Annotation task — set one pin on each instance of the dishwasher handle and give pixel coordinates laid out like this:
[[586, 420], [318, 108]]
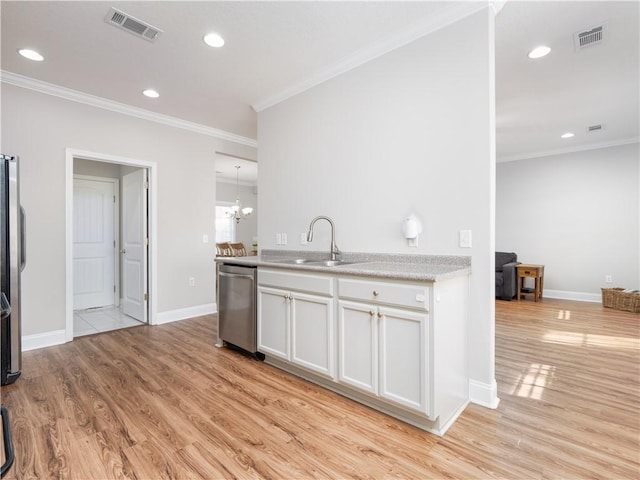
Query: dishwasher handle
[[235, 275]]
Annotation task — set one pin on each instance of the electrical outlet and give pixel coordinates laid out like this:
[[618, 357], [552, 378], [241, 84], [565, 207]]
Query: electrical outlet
[[192, 281], [608, 279], [278, 239], [205, 238], [303, 238], [284, 238]]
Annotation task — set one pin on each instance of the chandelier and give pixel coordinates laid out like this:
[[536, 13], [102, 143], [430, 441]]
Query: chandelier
[[237, 211]]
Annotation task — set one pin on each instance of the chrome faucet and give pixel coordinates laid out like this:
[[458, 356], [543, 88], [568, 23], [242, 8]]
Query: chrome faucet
[[334, 248]]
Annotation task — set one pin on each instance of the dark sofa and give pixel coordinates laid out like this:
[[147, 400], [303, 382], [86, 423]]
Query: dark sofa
[[506, 275]]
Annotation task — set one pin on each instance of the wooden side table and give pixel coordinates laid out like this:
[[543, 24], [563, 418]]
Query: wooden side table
[[531, 271]]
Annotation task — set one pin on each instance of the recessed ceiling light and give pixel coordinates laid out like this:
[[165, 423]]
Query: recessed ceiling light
[[31, 54], [213, 40], [150, 93], [538, 52], [567, 135]]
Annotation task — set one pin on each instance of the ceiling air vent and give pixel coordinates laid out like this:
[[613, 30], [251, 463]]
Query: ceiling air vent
[[132, 25], [588, 37], [595, 128]]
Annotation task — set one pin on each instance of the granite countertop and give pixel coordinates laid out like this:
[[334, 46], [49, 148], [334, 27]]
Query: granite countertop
[[430, 268]]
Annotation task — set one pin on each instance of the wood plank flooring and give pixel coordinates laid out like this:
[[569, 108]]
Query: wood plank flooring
[[162, 402]]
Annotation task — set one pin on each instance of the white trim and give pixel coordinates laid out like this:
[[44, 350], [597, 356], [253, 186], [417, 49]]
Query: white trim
[[562, 151], [42, 340], [484, 394], [577, 296], [419, 29], [186, 313], [152, 167], [99, 102]]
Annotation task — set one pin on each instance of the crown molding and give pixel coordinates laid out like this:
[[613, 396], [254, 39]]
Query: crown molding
[[391, 42], [562, 151], [18, 80]]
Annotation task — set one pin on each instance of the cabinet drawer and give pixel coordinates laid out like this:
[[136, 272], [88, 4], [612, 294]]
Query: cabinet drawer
[[403, 295], [319, 284], [528, 272]]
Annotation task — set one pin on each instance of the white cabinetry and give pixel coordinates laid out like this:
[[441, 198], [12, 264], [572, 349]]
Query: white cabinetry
[[296, 323], [395, 345], [382, 349], [273, 322]]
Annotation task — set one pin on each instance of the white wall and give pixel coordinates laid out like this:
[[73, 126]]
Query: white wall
[[578, 214], [411, 131], [39, 128], [248, 226]]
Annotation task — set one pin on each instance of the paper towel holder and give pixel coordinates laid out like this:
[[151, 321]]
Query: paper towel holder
[[411, 229]]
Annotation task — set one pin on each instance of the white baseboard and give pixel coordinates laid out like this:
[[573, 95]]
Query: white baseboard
[[484, 394], [184, 313], [41, 340], [578, 296]]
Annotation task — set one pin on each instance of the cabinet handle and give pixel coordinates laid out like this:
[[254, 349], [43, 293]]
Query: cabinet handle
[[376, 293]]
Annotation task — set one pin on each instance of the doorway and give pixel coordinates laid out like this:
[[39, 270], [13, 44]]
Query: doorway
[[111, 238], [236, 183]]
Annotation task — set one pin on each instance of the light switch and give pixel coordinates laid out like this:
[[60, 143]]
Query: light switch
[[284, 238], [465, 238], [278, 239], [205, 238]]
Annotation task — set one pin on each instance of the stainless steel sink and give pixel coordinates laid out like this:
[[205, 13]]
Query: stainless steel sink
[[312, 262], [331, 263], [297, 261]]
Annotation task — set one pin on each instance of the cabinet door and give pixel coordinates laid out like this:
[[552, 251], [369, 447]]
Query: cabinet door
[[312, 333], [273, 322], [358, 346], [403, 362]]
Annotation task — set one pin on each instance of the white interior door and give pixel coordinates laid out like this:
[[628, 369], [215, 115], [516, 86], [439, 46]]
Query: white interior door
[[93, 243], [134, 245]]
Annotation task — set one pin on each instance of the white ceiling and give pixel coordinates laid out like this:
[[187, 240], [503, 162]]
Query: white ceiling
[[274, 48], [568, 90], [226, 170]]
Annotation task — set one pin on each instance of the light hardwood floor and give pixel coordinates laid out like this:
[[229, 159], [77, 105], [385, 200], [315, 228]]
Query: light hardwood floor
[[162, 402]]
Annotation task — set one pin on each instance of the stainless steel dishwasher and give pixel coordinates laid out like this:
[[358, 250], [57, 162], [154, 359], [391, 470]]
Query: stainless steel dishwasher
[[237, 316]]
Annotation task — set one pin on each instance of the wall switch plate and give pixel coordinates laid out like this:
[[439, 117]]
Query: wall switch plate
[[608, 279], [284, 238], [465, 238], [278, 239], [303, 238], [192, 281], [205, 238]]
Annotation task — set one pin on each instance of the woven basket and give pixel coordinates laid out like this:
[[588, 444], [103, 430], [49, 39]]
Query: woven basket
[[618, 299]]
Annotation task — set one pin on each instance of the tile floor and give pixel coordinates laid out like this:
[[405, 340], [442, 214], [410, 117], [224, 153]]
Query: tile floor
[[96, 320]]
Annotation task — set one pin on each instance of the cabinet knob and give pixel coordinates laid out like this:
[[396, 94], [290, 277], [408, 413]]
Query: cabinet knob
[[290, 297], [380, 315], [372, 313], [286, 297], [376, 293]]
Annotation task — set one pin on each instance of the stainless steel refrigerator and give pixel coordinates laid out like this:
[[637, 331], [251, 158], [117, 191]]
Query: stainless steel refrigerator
[[12, 239]]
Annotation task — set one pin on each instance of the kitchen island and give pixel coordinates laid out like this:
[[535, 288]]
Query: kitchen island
[[389, 331]]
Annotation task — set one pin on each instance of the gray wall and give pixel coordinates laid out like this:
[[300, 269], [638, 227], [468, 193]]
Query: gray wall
[[248, 227], [41, 127], [576, 213], [411, 131]]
